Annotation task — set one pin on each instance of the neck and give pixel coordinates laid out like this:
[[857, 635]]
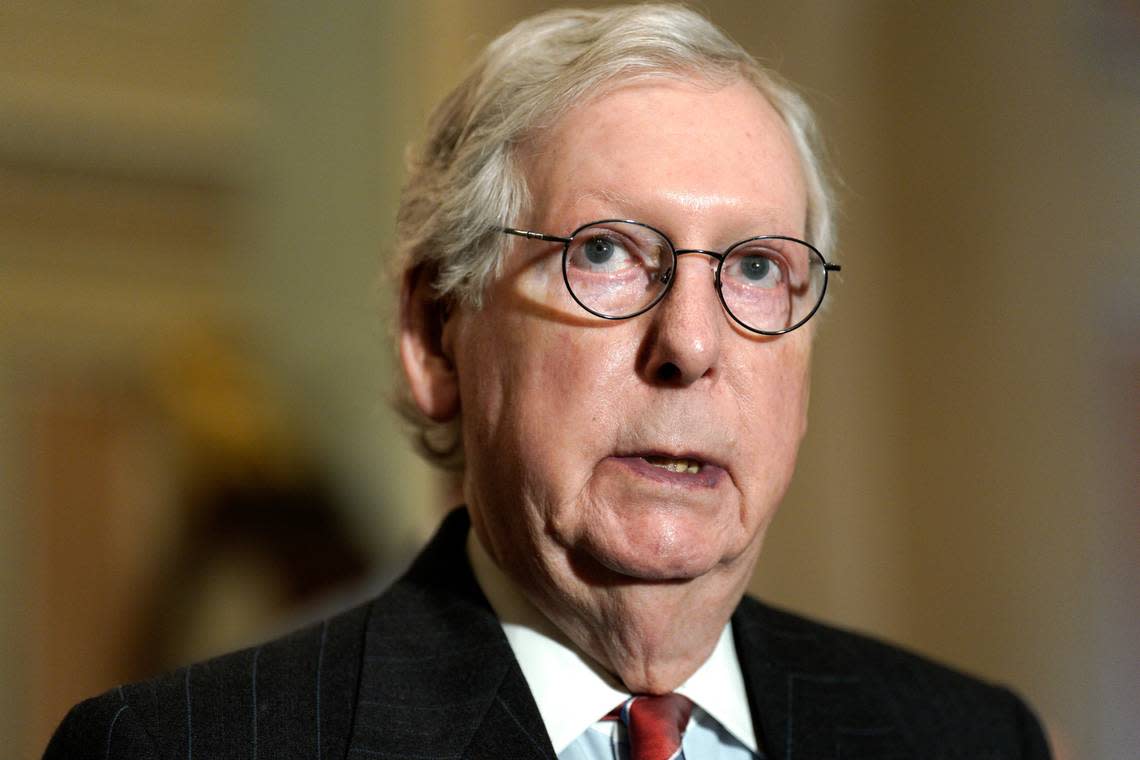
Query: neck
[[650, 636]]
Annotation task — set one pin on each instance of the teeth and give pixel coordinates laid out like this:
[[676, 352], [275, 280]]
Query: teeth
[[675, 465]]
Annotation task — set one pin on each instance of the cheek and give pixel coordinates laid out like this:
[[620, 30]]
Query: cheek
[[565, 402], [536, 407], [541, 283], [794, 372], [773, 416], [535, 391]]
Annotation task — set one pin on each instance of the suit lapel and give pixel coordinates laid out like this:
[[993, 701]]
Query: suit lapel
[[512, 727], [806, 701], [439, 679]]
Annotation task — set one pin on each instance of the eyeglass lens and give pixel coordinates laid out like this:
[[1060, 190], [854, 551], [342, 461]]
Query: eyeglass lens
[[619, 269]]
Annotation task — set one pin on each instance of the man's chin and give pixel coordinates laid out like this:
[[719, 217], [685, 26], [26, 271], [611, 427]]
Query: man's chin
[[608, 566]]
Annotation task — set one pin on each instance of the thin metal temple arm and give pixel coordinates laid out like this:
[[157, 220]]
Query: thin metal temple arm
[[535, 235]]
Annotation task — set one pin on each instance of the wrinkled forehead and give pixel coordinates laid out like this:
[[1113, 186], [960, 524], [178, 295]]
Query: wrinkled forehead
[[660, 146]]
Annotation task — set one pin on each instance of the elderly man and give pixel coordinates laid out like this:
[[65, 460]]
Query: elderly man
[[612, 246]]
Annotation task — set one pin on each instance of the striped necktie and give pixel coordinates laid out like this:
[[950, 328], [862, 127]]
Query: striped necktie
[[654, 725]]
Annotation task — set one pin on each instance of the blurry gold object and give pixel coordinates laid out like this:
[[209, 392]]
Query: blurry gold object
[[225, 405]]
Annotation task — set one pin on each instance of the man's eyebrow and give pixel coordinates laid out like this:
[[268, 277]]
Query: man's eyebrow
[[761, 222], [610, 197]]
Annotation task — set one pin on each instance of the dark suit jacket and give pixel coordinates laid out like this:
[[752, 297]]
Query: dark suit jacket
[[424, 671]]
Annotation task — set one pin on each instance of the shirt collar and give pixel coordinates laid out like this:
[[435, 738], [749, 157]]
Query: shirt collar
[[572, 691]]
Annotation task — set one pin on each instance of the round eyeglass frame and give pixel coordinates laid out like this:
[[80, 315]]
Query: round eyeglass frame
[[668, 276]]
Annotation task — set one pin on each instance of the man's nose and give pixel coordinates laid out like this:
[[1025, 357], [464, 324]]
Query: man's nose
[[683, 343]]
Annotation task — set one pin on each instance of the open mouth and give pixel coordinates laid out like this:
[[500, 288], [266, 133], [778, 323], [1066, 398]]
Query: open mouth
[[690, 466], [673, 470]]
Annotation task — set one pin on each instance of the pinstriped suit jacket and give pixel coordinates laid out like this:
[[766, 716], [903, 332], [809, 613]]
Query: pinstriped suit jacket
[[424, 671]]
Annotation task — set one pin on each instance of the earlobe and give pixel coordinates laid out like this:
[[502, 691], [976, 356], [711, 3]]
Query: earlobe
[[428, 367]]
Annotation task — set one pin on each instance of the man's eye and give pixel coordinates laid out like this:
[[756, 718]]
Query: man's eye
[[599, 250], [601, 254], [755, 270]]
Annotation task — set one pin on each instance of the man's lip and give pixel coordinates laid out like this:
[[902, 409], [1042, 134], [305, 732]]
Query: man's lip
[[709, 475], [705, 460]]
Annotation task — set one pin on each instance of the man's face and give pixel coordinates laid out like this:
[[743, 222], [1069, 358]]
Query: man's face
[[571, 422]]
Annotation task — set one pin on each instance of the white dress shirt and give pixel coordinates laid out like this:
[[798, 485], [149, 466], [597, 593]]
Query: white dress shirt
[[573, 692]]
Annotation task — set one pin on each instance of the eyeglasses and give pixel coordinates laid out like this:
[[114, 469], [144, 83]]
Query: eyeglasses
[[617, 269]]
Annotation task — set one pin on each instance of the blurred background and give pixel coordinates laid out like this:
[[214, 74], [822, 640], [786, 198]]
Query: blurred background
[[196, 447]]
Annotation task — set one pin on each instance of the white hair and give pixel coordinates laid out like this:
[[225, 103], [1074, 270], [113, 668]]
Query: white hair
[[465, 184]]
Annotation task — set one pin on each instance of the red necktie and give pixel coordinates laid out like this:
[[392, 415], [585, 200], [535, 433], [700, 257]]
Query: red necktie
[[655, 725]]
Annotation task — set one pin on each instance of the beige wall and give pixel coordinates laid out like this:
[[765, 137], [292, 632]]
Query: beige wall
[[968, 485]]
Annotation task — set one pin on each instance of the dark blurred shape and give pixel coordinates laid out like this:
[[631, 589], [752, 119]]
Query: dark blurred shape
[[288, 535], [263, 535]]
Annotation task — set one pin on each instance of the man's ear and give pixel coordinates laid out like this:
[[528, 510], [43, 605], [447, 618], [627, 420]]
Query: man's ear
[[428, 367]]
